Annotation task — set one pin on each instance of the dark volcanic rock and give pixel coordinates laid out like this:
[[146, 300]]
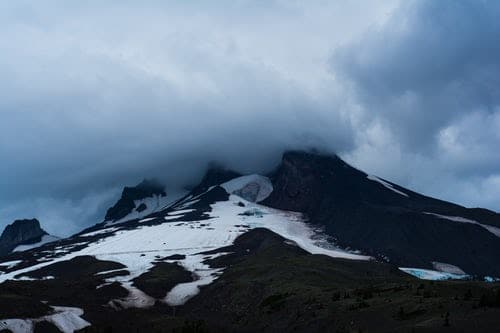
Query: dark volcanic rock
[[126, 204], [76, 268], [20, 232], [366, 215], [18, 306]]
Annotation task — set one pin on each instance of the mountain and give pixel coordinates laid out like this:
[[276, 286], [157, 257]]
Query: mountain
[[22, 235], [317, 245], [385, 220]]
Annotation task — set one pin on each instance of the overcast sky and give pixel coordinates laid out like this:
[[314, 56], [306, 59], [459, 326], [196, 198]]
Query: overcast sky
[[95, 95]]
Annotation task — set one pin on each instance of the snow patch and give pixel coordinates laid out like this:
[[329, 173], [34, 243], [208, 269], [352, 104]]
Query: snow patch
[[110, 271], [10, 264], [491, 279], [66, 319], [427, 274], [147, 220], [135, 299], [45, 239], [17, 325], [254, 188], [153, 204], [27, 278], [494, 230], [173, 217], [98, 232], [205, 275], [447, 268], [187, 204], [182, 211], [386, 184]]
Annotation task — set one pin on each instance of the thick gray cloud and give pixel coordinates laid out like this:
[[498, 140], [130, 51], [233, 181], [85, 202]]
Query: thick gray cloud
[[428, 83], [97, 95], [431, 63]]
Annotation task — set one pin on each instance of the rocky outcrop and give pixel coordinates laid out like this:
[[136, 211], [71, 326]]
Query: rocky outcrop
[[127, 203], [20, 232]]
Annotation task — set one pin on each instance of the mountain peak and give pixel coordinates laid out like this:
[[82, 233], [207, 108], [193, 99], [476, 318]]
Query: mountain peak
[[22, 230], [313, 158], [19, 232]]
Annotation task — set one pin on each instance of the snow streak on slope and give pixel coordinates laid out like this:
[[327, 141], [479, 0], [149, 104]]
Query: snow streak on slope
[[10, 264], [427, 274], [45, 240], [385, 184], [492, 229]]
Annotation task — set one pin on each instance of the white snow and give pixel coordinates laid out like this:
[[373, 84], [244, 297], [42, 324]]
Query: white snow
[[110, 271], [66, 319], [173, 217], [10, 264], [27, 278], [135, 299], [427, 274], [45, 239], [494, 230], [491, 279], [154, 204], [187, 204], [447, 268], [147, 220], [386, 184], [98, 232], [204, 276], [181, 211], [256, 186], [17, 325], [138, 249]]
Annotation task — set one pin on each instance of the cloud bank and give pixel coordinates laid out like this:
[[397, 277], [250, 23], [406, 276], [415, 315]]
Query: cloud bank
[[95, 96], [428, 81]]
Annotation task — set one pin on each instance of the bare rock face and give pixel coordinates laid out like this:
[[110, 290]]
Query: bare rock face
[[146, 189], [20, 232]]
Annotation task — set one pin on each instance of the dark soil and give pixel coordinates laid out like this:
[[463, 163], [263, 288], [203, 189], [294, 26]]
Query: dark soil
[[162, 278]]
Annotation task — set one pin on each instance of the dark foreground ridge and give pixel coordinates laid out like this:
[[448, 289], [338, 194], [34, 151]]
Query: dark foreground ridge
[[269, 285]]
